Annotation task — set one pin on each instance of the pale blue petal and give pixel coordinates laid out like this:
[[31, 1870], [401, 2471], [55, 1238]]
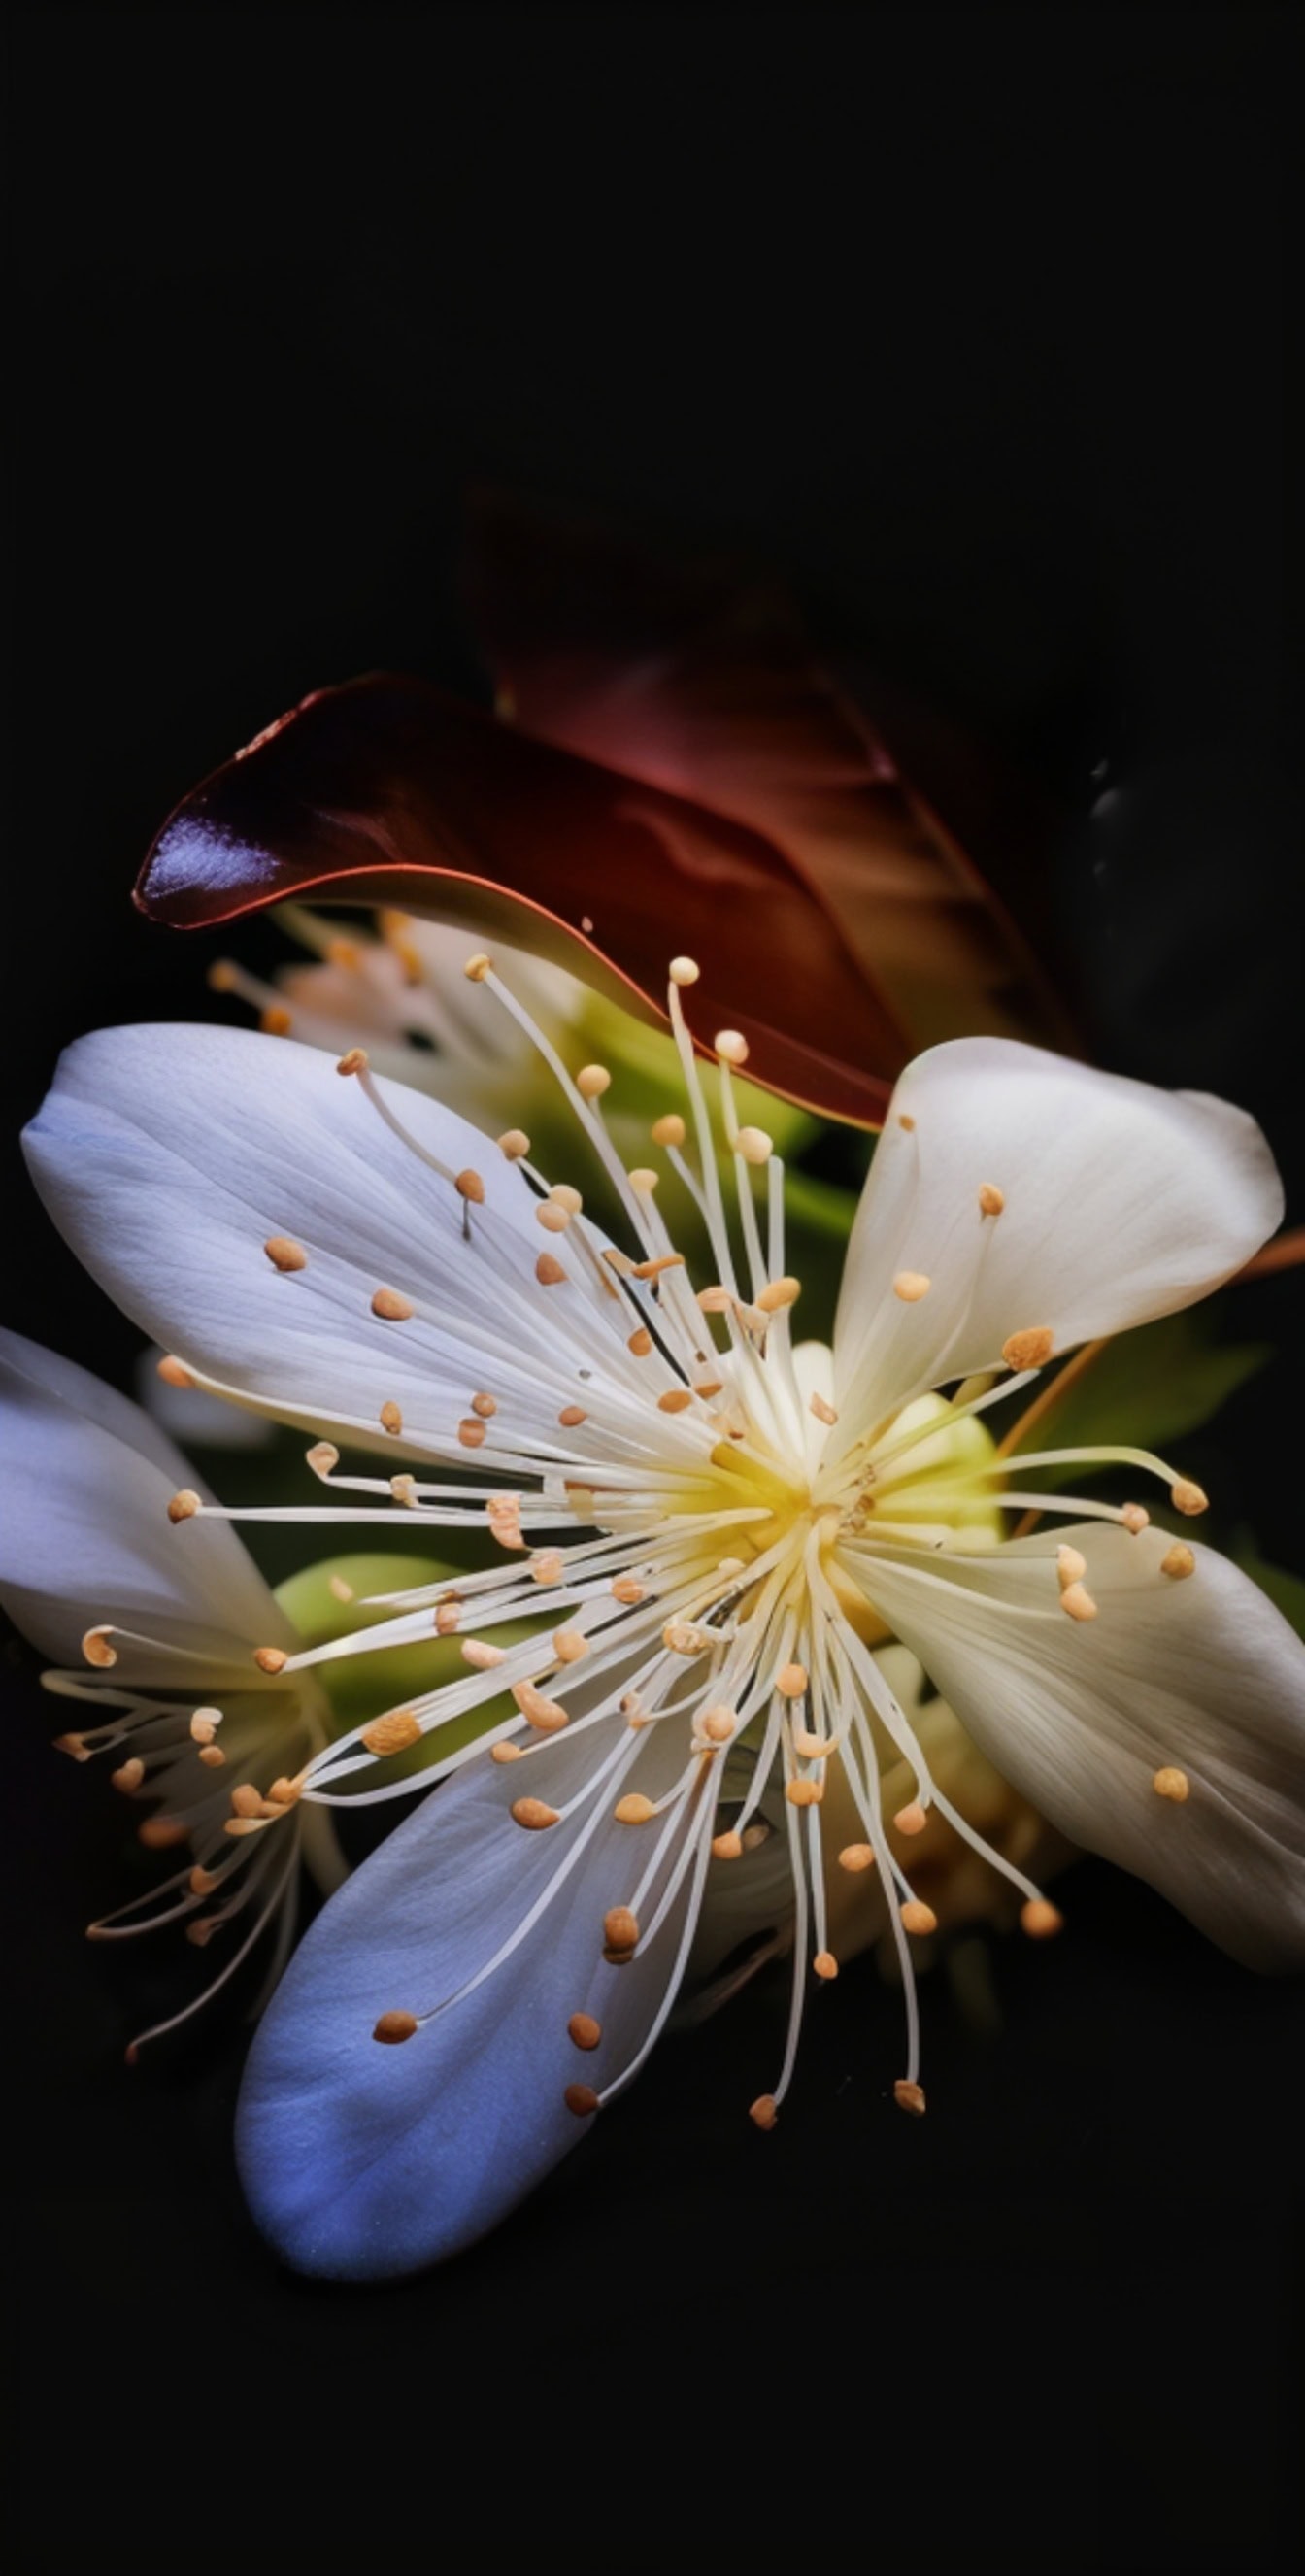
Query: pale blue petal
[[85, 1481], [362, 2160]]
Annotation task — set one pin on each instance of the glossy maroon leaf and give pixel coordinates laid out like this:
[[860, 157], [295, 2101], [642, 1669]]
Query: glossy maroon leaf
[[391, 791], [702, 681]]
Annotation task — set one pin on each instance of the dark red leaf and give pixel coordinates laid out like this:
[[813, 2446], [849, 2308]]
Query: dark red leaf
[[701, 680], [390, 791]]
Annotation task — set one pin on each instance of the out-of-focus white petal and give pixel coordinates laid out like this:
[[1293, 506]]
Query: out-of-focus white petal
[[85, 1481], [362, 2160], [1120, 1203], [1195, 1674]]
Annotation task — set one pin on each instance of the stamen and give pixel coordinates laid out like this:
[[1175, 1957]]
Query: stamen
[[1029, 1349], [392, 1306], [1078, 1601], [284, 1253], [184, 1505], [1040, 1919], [1188, 1498], [394, 2027], [620, 1929], [1178, 1562], [583, 2030], [534, 1814], [1169, 1782], [908, 2096], [991, 1199], [911, 1286], [392, 1734]]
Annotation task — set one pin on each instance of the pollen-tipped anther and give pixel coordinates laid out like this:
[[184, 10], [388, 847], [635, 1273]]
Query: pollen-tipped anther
[[355, 1060], [392, 1306], [284, 1253], [394, 2027], [184, 1505], [779, 1293], [1188, 1498], [478, 967], [583, 2031], [592, 1081], [534, 1813], [917, 1916], [514, 1144], [97, 1650], [620, 1929], [911, 1286], [1077, 1602], [271, 1659], [393, 1733], [1040, 1919], [1171, 1783], [909, 2097], [1178, 1561], [764, 2112], [684, 970], [731, 1046], [991, 1199], [1029, 1349]]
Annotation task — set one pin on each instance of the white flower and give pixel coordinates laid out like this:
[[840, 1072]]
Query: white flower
[[155, 1644], [714, 1528]]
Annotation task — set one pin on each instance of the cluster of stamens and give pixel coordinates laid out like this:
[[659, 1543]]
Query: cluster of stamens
[[712, 1632]]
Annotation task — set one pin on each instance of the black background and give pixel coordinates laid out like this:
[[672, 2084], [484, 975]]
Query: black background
[[976, 325]]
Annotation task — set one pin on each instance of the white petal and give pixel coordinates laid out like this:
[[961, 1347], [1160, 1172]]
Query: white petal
[[85, 1481], [1198, 1674], [1121, 1203], [363, 2160], [170, 1157]]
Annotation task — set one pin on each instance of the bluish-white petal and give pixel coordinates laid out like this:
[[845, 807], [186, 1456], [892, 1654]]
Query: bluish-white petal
[[1120, 1202], [170, 1157], [362, 2160], [1197, 1674], [85, 1481]]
